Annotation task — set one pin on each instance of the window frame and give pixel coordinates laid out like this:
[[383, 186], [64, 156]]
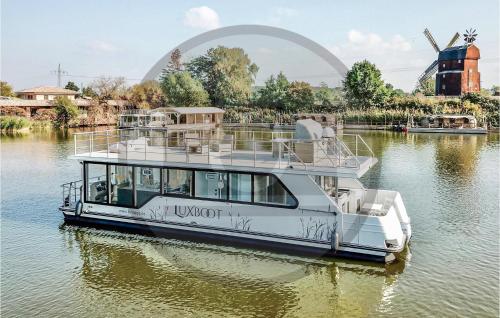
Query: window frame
[[162, 192]]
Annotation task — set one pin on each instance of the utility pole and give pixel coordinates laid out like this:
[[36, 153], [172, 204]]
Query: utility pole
[[59, 72]]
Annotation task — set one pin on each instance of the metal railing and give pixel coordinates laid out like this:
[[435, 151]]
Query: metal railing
[[71, 192], [237, 148]]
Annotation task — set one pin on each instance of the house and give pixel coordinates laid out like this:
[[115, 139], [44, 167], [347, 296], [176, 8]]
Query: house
[[458, 72], [46, 93]]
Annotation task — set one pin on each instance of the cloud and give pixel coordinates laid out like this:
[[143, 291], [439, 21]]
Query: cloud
[[394, 56], [371, 43], [202, 18], [101, 47], [278, 15]]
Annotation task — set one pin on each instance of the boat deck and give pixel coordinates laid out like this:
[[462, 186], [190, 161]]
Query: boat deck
[[321, 157]]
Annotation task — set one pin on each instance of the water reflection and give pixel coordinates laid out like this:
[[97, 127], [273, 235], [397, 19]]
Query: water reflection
[[213, 279], [457, 155]]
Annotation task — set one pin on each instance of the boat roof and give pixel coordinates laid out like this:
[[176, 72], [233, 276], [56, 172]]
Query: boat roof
[[452, 116], [185, 149]]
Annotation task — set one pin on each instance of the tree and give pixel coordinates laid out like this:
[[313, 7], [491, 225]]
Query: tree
[[364, 86], [175, 63], [88, 92], [324, 95], [227, 74], [6, 89], [427, 88], [65, 110], [108, 88], [72, 86], [183, 90], [495, 90], [146, 95], [273, 94], [299, 96]]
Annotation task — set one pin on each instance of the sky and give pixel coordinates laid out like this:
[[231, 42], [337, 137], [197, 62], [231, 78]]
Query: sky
[[125, 38]]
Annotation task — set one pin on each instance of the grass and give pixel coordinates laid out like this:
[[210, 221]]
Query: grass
[[14, 123]]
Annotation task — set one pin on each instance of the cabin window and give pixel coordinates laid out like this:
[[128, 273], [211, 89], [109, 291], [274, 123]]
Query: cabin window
[[95, 179], [147, 184], [210, 184], [459, 61], [267, 189], [121, 183], [240, 187], [177, 181]]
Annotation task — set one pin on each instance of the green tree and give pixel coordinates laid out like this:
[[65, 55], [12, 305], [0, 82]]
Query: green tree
[[324, 96], [146, 95], [227, 74], [495, 90], [427, 88], [88, 92], [72, 86], [363, 85], [65, 110], [6, 89], [273, 94], [299, 96], [183, 90]]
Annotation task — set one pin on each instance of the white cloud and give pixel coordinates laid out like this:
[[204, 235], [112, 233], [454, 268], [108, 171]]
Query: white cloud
[[102, 46], [202, 18], [278, 15], [371, 43], [394, 56]]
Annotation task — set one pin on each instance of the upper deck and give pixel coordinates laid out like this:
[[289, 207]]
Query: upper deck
[[345, 156]]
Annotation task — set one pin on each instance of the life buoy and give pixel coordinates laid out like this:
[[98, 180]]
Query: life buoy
[[78, 208]]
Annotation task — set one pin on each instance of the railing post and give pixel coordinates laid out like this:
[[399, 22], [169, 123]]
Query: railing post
[[208, 149], [145, 148], [90, 144], [356, 145], [279, 154], [254, 154], [75, 142], [107, 143]]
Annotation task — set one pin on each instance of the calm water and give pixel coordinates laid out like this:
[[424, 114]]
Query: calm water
[[450, 185]]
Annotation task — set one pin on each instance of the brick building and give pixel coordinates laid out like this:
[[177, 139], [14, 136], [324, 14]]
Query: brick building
[[458, 72]]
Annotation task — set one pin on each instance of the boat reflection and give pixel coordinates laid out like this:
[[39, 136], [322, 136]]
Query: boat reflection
[[191, 277]]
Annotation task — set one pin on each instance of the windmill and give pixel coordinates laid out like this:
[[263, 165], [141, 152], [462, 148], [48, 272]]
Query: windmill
[[433, 68], [470, 36]]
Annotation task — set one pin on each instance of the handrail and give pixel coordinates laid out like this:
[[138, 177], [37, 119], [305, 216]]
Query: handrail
[[160, 145]]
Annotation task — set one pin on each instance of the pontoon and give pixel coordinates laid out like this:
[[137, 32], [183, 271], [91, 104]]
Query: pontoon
[[295, 193], [450, 124]]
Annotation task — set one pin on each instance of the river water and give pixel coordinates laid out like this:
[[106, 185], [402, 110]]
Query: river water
[[449, 183]]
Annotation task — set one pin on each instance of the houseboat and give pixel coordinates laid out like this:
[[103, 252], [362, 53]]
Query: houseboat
[[295, 195], [172, 117], [450, 124]]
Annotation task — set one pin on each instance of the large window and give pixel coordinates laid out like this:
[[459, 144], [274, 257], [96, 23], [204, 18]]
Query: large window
[[147, 184], [240, 187], [267, 189], [128, 186], [97, 190], [121, 183], [177, 181], [210, 184]]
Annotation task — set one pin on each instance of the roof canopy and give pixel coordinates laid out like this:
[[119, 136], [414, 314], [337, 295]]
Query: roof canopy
[[48, 90], [195, 110]]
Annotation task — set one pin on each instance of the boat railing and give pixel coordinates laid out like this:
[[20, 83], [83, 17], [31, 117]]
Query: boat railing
[[71, 192], [236, 148]]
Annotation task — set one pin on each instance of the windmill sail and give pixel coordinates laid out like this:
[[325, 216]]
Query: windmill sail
[[429, 36], [431, 70], [453, 40]]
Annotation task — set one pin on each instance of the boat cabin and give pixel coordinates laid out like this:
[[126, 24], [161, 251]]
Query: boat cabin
[[449, 121], [173, 117]]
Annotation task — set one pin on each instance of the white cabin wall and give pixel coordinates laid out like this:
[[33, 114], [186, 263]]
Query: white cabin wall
[[308, 192]]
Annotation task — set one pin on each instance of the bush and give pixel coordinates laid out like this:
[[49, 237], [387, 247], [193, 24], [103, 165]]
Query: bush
[[65, 110], [45, 115], [13, 123]]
